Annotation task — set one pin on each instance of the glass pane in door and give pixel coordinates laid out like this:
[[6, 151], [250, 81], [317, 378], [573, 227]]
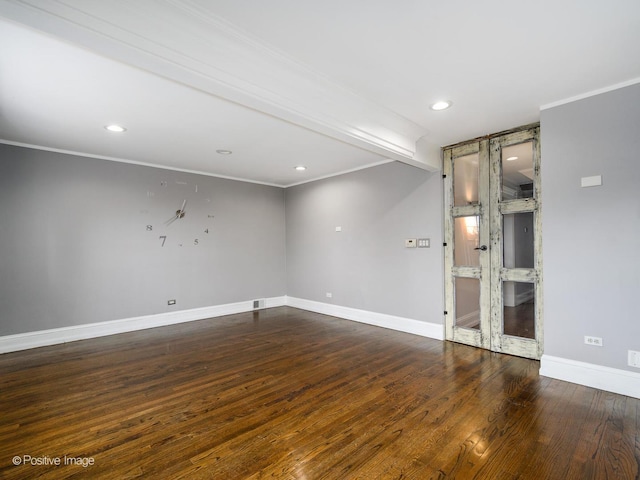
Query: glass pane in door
[[517, 171], [518, 309], [466, 172], [518, 241], [466, 237], [467, 294]]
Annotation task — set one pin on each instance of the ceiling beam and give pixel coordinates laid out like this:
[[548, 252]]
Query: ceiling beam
[[181, 41]]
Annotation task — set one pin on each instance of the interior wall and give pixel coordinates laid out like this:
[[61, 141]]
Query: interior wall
[[366, 265], [81, 242], [591, 235]]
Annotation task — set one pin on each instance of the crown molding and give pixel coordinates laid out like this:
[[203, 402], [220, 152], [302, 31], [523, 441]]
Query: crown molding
[[593, 93], [183, 41]]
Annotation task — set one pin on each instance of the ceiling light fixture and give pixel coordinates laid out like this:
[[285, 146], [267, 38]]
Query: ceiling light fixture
[[224, 152], [441, 105], [115, 128], [511, 159], [301, 168]]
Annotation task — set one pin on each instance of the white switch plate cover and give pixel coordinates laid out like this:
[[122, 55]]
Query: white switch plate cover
[[424, 243], [634, 359], [410, 243], [594, 181]]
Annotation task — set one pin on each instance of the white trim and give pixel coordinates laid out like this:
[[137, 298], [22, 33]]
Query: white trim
[[407, 325], [343, 172], [134, 162], [42, 338], [613, 380], [186, 170], [592, 93]]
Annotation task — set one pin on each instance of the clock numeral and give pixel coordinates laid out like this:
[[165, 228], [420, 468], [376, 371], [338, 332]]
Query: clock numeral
[[206, 231], [164, 239], [163, 183], [149, 228], [195, 242]]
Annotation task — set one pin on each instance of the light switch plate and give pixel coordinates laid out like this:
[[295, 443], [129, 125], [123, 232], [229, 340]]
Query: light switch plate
[[410, 243], [424, 243]]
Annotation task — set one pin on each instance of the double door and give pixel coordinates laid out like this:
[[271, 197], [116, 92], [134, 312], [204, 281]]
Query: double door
[[493, 261]]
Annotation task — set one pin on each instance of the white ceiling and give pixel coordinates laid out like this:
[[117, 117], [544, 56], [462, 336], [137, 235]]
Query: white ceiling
[[333, 85]]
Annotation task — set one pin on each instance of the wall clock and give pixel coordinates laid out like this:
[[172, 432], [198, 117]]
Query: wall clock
[[179, 214]]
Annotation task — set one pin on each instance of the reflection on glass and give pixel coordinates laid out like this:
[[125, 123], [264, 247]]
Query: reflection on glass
[[465, 180], [465, 239], [518, 318], [517, 171], [517, 230], [467, 293]]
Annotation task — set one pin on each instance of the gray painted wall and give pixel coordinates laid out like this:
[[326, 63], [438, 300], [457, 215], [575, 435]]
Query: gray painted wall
[[75, 249], [592, 235], [366, 265]]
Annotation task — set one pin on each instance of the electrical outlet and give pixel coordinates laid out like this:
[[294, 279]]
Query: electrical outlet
[[171, 302], [595, 341], [424, 243], [329, 294], [634, 359]]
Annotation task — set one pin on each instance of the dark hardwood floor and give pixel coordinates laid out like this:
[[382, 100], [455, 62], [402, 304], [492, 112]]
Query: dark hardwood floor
[[290, 394]]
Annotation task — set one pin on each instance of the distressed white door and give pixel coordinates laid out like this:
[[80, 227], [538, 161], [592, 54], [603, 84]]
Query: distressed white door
[[493, 260]]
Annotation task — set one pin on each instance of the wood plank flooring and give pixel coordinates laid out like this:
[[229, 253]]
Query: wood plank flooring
[[288, 394]]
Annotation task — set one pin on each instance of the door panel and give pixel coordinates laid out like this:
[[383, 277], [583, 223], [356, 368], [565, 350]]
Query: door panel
[[467, 308], [466, 239], [493, 261], [467, 227], [518, 309]]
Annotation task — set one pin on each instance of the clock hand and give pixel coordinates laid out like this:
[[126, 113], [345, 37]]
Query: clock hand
[[179, 214]]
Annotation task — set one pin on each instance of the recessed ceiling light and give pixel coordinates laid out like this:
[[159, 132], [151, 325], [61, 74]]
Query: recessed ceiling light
[[441, 105], [224, 152], [511, 159], [115, 128], [301, 168]]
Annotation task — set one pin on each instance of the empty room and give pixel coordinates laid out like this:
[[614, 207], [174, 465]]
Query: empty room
[[319, 240]]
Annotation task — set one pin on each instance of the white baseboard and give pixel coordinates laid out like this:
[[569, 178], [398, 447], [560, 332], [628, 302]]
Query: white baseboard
[[407, 325], [42, 338], [613, 380]]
